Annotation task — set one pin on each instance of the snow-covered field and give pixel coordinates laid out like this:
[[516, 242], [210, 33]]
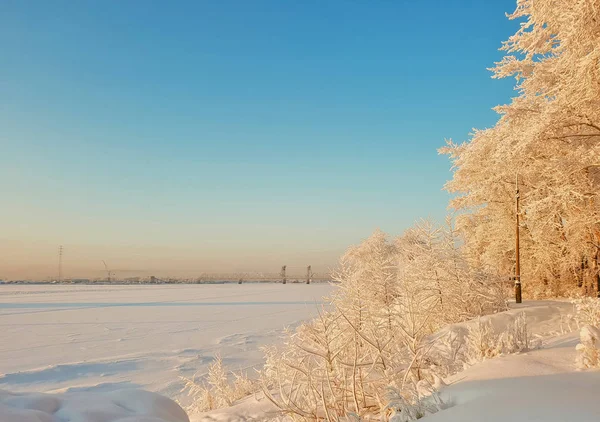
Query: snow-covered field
[[103, 338], [86, 342]]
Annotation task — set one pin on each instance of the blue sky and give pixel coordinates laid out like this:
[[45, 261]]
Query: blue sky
[[232, 135]]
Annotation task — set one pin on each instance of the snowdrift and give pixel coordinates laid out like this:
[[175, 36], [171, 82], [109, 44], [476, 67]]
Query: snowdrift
[[542, 384], [115, 406]]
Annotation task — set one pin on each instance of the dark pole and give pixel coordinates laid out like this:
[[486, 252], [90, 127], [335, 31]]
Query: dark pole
[[518, 298]]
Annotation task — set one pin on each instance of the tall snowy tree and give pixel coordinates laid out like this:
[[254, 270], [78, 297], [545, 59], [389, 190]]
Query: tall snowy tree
[[550, 136]]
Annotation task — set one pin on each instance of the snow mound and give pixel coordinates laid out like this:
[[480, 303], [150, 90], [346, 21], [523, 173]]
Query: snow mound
[[541, 385], [114, 406]]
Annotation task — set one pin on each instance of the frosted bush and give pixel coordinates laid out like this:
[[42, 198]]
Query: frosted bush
[[516, 338], [401, 410], [375, 335], [221, 388], [567, 322], [588, 350], [587, 311], [450, 352], [484, 343]]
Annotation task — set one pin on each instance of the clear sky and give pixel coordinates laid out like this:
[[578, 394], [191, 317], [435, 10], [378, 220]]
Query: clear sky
[[180, 137]]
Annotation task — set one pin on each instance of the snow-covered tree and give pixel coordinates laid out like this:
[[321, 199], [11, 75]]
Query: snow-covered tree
[[550, 136]]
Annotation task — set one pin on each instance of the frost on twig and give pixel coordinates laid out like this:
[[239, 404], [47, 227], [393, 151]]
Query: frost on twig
[[483, 342], [221, 388], [375, 336]]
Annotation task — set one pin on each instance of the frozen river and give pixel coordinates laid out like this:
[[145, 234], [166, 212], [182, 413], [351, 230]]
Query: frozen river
[[99, 338]]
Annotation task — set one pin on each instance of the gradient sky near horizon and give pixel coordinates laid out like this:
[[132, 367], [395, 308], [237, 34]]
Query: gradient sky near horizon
[[181, 137]]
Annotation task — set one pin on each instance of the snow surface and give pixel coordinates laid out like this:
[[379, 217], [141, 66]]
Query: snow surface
[[540, 385], [116, 406], [99, 339], [85, 343]]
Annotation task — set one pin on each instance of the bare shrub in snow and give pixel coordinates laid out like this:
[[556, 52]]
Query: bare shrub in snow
[[221, 388], [399, 409], [483, 342], [374, 339], [587, 311], [567, 322], [515, 338], [450, 352], [588, 350]]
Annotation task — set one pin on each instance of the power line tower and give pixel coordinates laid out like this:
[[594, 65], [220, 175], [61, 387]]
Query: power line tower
[[60, 255], [308, 274], [282, 274], [107, 271]]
